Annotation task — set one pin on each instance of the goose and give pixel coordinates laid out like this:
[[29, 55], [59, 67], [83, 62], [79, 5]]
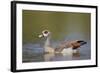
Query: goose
[[64, 47]]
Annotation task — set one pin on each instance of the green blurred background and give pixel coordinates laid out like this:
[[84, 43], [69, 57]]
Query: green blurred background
[[60, 24]]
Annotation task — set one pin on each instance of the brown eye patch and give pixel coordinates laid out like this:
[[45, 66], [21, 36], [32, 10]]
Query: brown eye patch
[[45, 32]]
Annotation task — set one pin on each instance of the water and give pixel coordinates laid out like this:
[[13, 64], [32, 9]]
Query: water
[[34, 53]]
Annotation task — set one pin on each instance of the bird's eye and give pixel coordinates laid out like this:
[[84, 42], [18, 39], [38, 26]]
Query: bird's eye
[[45, 32]]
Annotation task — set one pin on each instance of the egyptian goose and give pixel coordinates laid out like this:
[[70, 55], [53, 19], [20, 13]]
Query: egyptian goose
[[63, 47]]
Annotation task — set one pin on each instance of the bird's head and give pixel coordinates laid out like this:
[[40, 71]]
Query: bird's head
[[45, 33]]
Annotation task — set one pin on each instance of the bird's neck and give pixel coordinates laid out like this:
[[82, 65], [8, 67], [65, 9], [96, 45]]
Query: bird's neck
[[47, 42], [48, 47]]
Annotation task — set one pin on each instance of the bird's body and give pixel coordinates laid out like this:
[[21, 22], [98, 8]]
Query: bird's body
[[65, 47]]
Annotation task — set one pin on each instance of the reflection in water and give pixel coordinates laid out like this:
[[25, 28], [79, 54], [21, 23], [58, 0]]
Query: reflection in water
[[44, 57], [76, 55], [61, 56], [49, 57]]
